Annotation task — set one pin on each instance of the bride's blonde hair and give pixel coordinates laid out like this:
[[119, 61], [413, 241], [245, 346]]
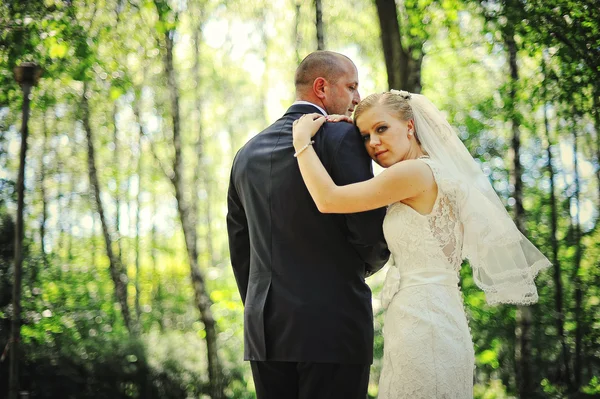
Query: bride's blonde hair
[[395, 103]]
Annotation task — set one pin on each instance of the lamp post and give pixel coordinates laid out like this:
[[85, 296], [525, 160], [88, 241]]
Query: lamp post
[[27, 75]]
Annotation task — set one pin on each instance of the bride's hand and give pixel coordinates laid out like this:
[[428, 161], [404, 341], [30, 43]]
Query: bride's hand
[[339, 118], [306, 127]]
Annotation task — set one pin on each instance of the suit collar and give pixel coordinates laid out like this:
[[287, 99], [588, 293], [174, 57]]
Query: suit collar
[[303, 108]]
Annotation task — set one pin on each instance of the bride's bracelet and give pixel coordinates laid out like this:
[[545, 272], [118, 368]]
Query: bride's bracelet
[[303, 148]]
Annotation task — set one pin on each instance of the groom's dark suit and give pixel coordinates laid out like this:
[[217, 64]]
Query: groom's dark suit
[[301, 273]]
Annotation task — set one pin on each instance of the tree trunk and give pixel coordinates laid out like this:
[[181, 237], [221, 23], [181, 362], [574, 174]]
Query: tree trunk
[[297, 35], [579, 322], [60, 245], [117, 177], [69, 217], [94, 254], [523, 332], [93, 234], [565, 372], [116, 269], [15, 326], [202, 175], [43, 193], [319, 24], [157, 292], [127, 246], [597, 128], [557, 275], [138, 204], [403, 68], [203, 301], [199, 171], [264, 87]]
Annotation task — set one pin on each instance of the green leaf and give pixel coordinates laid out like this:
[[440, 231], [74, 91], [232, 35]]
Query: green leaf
[[115, 93], [488, 357], [58, 50]]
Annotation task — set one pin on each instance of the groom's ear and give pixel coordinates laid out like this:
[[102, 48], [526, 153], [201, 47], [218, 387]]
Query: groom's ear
[[319, 87]]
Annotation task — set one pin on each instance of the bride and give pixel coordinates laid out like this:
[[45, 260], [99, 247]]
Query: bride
[[441, 210]]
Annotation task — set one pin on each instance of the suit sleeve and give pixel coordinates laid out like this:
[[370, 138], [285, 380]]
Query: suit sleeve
[[352, 164], [239, 239]]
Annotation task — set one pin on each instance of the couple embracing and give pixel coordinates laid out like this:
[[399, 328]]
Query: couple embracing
[[308, 222]]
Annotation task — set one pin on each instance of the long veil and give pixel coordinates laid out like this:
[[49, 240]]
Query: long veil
[[504, 262]]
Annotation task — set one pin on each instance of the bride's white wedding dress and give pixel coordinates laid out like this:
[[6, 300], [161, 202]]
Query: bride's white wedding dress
[[428, 350]]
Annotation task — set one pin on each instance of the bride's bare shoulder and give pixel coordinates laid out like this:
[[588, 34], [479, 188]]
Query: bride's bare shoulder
[[425, 190], [413, 169]]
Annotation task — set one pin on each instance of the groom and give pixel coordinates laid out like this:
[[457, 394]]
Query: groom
[[308, 321]]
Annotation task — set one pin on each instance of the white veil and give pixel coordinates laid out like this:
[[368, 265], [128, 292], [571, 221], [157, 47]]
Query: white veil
[[504, 262]]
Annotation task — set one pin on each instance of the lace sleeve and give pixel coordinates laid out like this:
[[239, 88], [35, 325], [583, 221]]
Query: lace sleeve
[[503, 261]]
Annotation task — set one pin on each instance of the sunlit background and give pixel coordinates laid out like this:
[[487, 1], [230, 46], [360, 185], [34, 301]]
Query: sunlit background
[[134, 77]]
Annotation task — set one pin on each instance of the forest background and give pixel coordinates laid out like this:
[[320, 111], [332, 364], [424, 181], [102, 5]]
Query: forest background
[[127, 289]]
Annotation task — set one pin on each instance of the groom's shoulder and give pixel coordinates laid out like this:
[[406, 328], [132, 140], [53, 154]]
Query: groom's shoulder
[[338, 131], [255, 142], [340, 135], [255, 146]]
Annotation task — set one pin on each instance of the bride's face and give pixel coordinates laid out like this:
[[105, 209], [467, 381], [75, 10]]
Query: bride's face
[[386, 137]]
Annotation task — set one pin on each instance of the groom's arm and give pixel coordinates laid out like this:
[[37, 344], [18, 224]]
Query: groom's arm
[[352, 164], [239, 239]]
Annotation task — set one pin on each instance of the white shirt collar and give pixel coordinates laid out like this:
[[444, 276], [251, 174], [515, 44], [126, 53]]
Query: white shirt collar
[[309, 103]]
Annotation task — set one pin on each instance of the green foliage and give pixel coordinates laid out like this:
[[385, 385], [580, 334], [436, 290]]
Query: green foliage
[[73, 337]]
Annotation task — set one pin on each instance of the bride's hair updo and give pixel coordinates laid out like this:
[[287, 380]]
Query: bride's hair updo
[[397, 104]]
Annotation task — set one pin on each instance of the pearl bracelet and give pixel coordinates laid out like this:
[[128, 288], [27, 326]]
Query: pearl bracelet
[[303, 148]]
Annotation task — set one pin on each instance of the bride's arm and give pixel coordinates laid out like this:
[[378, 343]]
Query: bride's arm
[[401, 181]]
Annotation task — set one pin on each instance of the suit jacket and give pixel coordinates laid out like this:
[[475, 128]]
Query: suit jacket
[[300, 273]]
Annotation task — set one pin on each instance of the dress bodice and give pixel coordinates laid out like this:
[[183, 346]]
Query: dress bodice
[[425, 248], [426, 241]]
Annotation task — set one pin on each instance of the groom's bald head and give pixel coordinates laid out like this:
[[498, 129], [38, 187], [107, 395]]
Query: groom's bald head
[[328, 80], [320, 64]]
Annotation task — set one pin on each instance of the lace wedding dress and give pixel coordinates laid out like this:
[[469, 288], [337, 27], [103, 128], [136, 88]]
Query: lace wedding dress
[[428, 350]]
